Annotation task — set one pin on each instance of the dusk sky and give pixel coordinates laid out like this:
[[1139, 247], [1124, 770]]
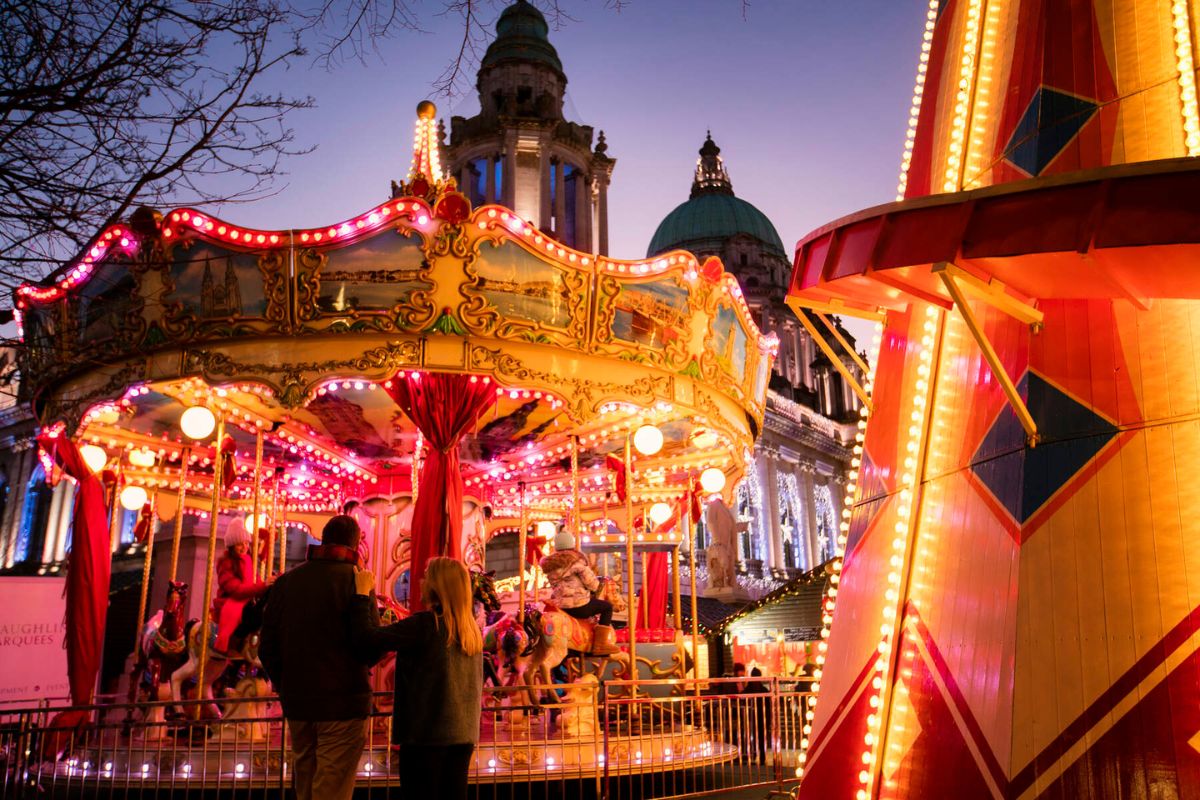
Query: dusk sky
[[808, 101]]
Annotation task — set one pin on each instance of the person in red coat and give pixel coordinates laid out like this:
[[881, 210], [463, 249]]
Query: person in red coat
[[236, 583]]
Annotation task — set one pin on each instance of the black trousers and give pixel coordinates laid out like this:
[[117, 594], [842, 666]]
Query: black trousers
[[434, 771], [592, 608]]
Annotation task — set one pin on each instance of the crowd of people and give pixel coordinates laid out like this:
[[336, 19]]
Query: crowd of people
[[321, 635]]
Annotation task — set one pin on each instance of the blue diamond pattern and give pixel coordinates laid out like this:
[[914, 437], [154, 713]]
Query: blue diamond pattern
[[1049, 123], [1023, 479]]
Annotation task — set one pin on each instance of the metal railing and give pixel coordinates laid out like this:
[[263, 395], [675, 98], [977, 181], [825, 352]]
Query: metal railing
[[610, 741]]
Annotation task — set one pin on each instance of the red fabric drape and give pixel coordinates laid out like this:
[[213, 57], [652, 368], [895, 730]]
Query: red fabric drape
[[443, 407], [88, 571], [617, 466], [653, 596]]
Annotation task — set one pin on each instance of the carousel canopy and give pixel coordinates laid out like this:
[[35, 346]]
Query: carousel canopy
[[299, 334]]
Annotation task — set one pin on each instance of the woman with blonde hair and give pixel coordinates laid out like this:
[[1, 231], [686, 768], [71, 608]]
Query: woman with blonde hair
[[439, 678]]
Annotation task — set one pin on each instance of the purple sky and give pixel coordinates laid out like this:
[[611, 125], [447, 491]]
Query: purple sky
[[808, 100]]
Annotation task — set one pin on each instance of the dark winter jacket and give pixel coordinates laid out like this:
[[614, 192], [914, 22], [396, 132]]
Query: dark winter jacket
[[439, 688], [306, 646]]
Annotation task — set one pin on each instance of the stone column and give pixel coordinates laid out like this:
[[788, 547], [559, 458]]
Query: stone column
[[769, 475], [464, 181], [14, 511], [582, 213], [602, 214], [808, 488], [544, 211], [560, 202], [508, 177], [489, 181]]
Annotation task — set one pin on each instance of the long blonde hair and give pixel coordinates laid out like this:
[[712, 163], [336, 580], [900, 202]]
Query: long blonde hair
[[447, 584]]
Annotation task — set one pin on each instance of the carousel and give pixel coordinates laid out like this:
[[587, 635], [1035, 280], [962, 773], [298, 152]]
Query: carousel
[[416, 359]]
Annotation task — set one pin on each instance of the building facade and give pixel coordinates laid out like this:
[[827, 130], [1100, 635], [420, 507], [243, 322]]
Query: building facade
[[791, 501], [520, 151]]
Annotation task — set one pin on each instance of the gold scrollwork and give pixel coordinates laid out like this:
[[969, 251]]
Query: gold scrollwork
[[483, 319], [673, 354], [582, 396], [70, 409], [296, 379]]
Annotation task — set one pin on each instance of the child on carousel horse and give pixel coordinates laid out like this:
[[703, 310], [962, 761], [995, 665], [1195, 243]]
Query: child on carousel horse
[[573, 585], [237, 585]]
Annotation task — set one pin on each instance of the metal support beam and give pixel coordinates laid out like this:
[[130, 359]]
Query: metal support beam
[[992, 292], [845, 345], [834, 306], [989, 352], [836, 360]]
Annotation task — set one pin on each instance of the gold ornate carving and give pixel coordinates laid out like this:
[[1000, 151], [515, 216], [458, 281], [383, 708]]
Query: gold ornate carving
[[582, 396], [296, 379], [483, 319]]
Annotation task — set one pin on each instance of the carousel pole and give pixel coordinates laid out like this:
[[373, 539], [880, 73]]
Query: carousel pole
[[254, 524], [677, 586], [283, 531], [114, 510], [214, 513], [577, 522], [269, 567], [181, 495], [141, 617], [630, 597], [691, 540], [521, 536]]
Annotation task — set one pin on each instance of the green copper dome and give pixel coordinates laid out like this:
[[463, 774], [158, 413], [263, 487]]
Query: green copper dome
[[706, 221], [713, 214], [522, 35]]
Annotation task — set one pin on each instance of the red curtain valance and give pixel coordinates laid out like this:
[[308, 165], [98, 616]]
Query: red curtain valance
[[443, 407]]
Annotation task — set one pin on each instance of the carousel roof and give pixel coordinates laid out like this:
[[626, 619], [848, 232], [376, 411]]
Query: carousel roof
[[295, 334], [1118, 232]]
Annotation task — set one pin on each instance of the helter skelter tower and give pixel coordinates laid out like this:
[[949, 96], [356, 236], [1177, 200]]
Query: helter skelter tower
[[1018, 613]]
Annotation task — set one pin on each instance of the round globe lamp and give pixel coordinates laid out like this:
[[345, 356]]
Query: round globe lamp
[[660, 513], [133, 498], [94, 457], [248, 522], [712, 480], [546, 529], [647, 440], [197, 423]]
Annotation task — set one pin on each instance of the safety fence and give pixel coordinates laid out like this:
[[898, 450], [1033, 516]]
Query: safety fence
[[615, 740]]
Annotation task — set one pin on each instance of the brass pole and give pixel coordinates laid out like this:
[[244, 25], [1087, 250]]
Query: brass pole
[[257, 483], [632, 614], [676, 586], [181, 496], [283, 533], [521, 536], [214, 513], [687, 524], [141, 617], [270, 565], [577, 522], [114, 510], [644, 608]]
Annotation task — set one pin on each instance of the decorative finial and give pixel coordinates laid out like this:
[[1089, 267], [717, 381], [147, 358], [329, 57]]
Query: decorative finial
[[425, 160], [711, 177], [601, 144]]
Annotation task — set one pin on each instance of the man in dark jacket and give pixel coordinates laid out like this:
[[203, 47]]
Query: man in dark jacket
[[322, 680]]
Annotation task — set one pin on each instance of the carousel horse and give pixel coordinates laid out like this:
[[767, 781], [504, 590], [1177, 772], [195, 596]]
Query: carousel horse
[[508, 646], [243, 647], [162, 650], [530, 651]]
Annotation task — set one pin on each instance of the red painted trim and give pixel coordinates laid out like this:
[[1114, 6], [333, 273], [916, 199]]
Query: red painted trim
[[990, 762], [999, 511], [835, 719], [1104, 704]]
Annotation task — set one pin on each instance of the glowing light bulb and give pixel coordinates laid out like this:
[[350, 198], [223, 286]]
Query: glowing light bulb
[[133, 498], [647, 440], [660, 513], [197, 422], [94, 457], [712, 480]]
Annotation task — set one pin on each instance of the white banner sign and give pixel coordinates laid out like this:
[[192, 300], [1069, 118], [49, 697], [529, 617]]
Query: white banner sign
[[33, 661]]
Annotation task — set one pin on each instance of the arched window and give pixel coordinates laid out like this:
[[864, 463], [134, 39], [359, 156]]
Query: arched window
[[826, 521], [33, 518]]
